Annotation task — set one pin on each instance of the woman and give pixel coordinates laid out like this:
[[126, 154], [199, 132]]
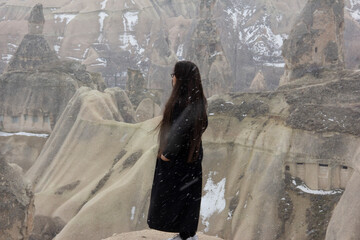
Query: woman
[[176, 190]]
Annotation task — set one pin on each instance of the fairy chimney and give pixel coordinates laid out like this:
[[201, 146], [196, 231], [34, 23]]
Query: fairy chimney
[[36, 20], [316, 41], [33, 50]]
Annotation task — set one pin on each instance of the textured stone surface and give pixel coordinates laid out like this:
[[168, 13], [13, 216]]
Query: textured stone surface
[[146, 110], [258, 83], [316, 41], [17, 204], [153, 235], [248, 147]]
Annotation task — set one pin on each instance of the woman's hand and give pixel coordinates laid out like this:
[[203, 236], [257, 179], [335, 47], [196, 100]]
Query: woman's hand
[[164, 158]]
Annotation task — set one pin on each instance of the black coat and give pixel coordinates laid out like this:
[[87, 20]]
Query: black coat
[[176, 190]]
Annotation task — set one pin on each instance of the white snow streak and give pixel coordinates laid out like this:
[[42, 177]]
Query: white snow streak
[[5, 134], [103, 4], [132, 213], [102, 16], [130, 20], [179, 52], [213, 201], [6, 57], [279, 65], [64, 16], [306, 189]]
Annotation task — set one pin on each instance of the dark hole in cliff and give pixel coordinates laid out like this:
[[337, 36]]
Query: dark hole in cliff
[[287, 168], [323, 165], [344, 167], [300, 163], [316, 49]]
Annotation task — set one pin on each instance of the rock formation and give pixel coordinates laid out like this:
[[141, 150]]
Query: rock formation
[[153, 35], [37, 86], [258, 83], [281, 164], [46, 228], [137, 91], [317, 40], [146, 110], [17, 204], [33, 50], [207, 52], [21, 150]]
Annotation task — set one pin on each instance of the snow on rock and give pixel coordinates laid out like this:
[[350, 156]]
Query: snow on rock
[[64, 16], [257, 37], [179, 52], [56, 48], [213, 200], [130, 19], [6, 57], [127, 38], [354, 9], [132, 213], [306, 189], [103, 4], [5, 134]]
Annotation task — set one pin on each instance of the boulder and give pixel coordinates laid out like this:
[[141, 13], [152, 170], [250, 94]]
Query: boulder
[[147, 109], [17, 204]]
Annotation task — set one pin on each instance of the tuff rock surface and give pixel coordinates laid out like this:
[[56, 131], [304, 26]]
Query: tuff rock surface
[[316, 41], [17, 204], [263, 172]]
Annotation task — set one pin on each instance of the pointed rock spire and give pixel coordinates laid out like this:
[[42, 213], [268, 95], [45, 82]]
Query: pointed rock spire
[[36, 20]]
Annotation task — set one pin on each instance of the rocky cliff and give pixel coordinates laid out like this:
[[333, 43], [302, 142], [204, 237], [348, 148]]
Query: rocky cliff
[[266, 176]]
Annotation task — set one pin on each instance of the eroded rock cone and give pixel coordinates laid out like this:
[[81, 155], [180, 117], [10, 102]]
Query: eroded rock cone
[[33, 50], [316, 41]]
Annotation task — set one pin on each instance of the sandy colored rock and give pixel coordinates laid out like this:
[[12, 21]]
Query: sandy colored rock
[[316, 41], [258, 83], [146, 110], [17, 204], [21, 150], [37, 85], [256, 161], [237, 39], [153, 235]]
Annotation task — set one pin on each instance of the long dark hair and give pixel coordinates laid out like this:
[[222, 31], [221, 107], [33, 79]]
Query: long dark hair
[[187, 91]]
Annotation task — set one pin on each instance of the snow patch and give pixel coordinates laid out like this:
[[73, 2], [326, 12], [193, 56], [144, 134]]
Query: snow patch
[[56, 48], [179, 52], [103, 4], [6, 57], [306, 189], [279, 65], [132, 213], [213, 201], [130, 19], [102, 16], [64, 16], [5, 134]]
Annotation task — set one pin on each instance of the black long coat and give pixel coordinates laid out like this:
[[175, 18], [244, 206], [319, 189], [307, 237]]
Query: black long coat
[[176, 190]]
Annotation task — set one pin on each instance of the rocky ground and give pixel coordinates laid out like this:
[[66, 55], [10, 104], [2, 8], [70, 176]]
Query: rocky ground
[[153, 235]]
